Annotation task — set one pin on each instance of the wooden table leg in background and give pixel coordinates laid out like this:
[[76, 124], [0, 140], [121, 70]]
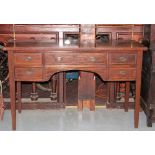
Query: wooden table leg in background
[[127, 92], [61, 87], [53, 95], [80, 105], [111, 94], [19, 96], [34, 95]]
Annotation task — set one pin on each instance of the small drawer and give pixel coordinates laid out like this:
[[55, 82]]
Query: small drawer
[[121, 58], [90, 58], [51, 37], [28, 59], [75, 58], [28, 74], [122, 74]]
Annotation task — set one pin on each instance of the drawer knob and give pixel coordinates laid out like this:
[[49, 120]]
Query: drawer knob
[[59, 59], [122, 72], [93, 59], [122, 59], [28, 58]]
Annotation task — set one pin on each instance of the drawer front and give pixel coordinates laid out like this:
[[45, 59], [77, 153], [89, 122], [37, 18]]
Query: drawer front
[[121, 58], [52, 37], [28, 59], [28, 74], [75, 58], [122, 74]]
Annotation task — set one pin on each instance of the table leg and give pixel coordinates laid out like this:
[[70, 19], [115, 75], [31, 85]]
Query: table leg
[[137, 105], [80, 105], [92, 105], [53, 95], [34, 95], [61, 88], [13, 103], [138, 88], [111, 94], [12, 90]]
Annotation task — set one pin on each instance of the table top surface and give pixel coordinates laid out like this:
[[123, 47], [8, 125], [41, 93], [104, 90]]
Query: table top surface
[[46, 45]]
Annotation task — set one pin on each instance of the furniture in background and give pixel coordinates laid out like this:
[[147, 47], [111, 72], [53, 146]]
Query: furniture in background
[[148, 75]]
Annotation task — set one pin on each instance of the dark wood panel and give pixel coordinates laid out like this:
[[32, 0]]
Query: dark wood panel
[[148, 75], [6, 29], [152, 37], [86, 90]]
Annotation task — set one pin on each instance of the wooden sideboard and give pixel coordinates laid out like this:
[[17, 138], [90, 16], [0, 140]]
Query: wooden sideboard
[[38, 61]]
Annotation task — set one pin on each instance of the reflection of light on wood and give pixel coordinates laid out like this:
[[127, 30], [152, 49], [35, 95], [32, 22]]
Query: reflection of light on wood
[[132, 32], [14, 32]]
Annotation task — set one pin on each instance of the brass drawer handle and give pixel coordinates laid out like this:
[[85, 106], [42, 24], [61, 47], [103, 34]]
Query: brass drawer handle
[[29, 58], [33, 38], [122, 59], [93, 59], [29, 72], [122, 72], [59, 59]]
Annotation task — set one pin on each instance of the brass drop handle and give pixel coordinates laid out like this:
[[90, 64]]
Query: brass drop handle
[[122, 59], [93, 59], [59, 59], [122, 72], [29, 58], [29, 72], [33, 38], [52, 38]]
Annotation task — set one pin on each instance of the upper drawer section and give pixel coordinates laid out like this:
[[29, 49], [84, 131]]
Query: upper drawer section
[[28, 59], [52, 37], [122, 58], [75, 58]]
